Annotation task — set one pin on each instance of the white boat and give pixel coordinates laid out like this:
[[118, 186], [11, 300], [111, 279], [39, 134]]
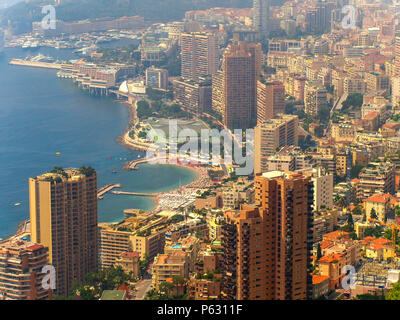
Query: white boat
[[26, 45]]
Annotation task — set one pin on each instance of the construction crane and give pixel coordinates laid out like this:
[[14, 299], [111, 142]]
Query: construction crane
[[394, 227]]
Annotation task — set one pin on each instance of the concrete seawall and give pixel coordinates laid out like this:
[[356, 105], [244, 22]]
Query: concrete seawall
[[35, 64]]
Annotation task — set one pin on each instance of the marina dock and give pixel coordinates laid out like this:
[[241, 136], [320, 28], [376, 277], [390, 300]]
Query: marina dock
[[103, 190]]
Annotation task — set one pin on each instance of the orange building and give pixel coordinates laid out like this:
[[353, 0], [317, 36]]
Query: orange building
[[204, 289], [320, 285], [63, 213], [267, 249], [270, 100], [331, 266], [21, 276], [241, 66]]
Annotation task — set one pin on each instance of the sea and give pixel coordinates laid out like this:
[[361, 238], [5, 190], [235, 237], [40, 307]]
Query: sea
[[46, 121]]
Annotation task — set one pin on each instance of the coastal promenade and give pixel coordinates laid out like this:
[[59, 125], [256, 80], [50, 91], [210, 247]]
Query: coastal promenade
[[36, 64]]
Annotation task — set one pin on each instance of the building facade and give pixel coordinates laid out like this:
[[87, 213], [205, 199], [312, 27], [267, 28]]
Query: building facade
[[63, 213], [21, 265]]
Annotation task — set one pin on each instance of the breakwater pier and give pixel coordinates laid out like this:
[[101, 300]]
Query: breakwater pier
[[36, 64], [104, 189]]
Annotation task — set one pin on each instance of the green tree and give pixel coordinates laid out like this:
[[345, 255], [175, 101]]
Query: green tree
[[373, 232], [177, 218], [319, 252], [350, 220], [98, 281], [143, 110], [353, 100], [397, 211], [394, 293], [358, 210], [373, 214], [340, 200], [355, 171], [369, 296]]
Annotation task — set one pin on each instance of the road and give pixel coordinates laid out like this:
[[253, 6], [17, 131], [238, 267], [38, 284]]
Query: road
[[144, 285], [141, 289], [334, 295]]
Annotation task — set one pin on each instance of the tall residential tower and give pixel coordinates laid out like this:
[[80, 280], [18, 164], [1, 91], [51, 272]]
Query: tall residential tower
[[267, 247], [63, 213], [235, 87], [200, 55], [261, 19]]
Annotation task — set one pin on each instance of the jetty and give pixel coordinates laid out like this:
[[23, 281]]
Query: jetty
[[132, 165], [104, 189], [135, 193]]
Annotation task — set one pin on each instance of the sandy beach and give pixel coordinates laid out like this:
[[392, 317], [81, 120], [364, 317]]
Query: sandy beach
[[202, 180]]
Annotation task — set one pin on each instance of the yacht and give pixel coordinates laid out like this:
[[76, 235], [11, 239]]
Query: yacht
[[26, 45]]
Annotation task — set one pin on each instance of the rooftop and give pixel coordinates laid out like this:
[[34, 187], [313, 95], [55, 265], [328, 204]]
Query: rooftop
[[317, 279], [331, 258], [113, 295]]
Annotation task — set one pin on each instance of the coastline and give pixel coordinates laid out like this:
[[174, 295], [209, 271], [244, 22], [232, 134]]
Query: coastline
[[124, 128], [125, 141]]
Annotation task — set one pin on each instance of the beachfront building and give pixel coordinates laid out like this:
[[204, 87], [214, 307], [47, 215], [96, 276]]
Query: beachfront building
[[144, 234]]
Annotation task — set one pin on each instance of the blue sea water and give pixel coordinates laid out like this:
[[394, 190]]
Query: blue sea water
[[41, 115]]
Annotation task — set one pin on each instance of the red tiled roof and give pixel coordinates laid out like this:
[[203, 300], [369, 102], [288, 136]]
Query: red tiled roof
[[371, 115], [34, 247], [317, 279], [335, 235], [331, 257], [380, 198], [131, 254], [325, 244]]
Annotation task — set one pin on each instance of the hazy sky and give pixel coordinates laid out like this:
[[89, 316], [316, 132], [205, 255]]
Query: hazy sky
[[6, 3]]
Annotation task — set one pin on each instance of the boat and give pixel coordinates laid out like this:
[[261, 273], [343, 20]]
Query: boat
[[26, 45], [17, 204], [42, 58], [114, 171]]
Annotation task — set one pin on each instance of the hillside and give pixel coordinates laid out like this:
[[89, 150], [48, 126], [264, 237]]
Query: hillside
[[20, 16]]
